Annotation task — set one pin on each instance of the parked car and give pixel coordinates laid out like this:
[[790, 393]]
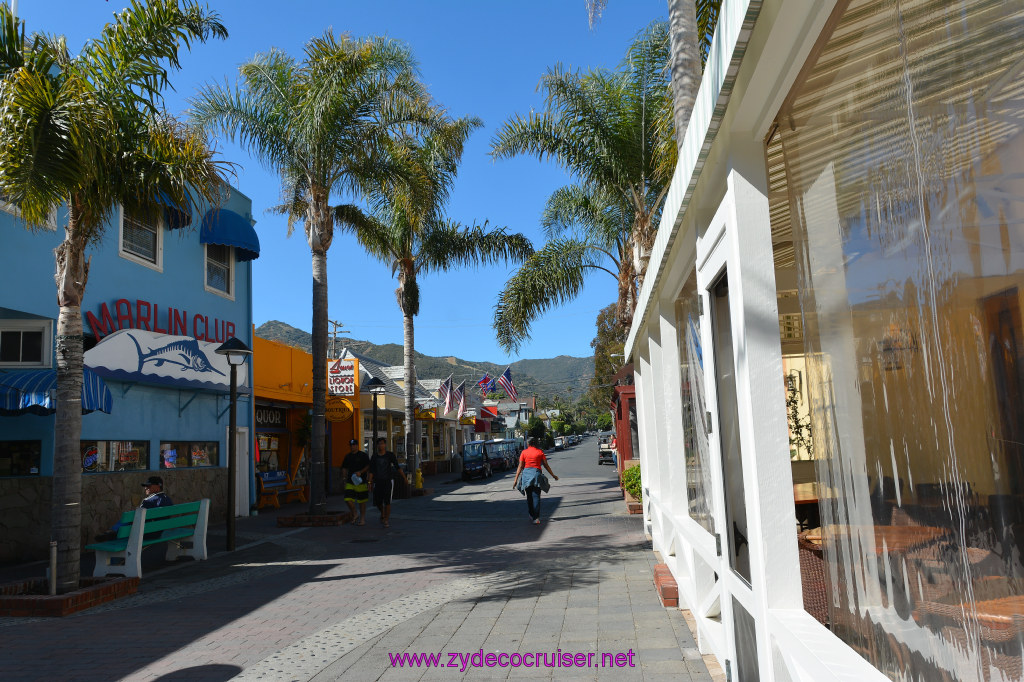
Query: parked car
[[605, 451], [476, 462], [559, 442]]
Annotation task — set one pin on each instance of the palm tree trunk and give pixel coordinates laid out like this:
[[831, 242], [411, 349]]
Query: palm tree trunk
[[685, 61], [317, 496], [66, 503], [412, 459]]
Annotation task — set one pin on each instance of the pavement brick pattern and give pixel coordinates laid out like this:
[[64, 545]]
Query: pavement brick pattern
[[459, 572]]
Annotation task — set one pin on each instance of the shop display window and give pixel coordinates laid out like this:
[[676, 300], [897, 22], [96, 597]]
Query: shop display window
[[20, 457], [184, 454], [114, 455], [273, 452], [900, 158]]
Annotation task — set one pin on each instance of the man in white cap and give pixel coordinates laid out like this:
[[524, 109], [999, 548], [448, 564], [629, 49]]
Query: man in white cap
[[353, 472]]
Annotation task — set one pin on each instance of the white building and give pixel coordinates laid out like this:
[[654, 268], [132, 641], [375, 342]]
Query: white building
[[833, 314]]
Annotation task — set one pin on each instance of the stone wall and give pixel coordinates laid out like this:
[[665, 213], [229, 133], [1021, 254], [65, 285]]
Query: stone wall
[[25, 505]]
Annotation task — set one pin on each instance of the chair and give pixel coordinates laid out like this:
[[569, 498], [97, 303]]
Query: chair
[[812, 578]]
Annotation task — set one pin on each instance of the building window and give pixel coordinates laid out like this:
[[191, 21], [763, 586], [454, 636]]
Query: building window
[[114, 455], [183, 454], [24, 343], [219, 270], [900, 176], [141, 241], [20, 457]]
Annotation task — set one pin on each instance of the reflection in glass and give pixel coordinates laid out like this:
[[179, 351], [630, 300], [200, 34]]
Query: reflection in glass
[[729, 430], [903, 152], [695, 428]]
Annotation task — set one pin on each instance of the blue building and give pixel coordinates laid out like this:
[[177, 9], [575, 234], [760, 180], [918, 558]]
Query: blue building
[[159, 300]]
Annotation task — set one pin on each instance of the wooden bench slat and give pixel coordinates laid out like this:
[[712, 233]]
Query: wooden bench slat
[[165, 523], [171, 510]]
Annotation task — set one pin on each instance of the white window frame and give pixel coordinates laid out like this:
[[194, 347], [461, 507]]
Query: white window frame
[[44, 326], [127, 255], [230, 294]]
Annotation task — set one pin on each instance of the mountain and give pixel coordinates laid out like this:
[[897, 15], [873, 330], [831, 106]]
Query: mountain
[[563, 375]]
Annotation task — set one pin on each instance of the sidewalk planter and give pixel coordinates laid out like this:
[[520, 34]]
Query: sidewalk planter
[[23, 598]]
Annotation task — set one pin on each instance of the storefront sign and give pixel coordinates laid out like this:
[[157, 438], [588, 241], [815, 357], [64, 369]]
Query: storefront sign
[[467, 420], [271, 417], [182, 361], [341, 377], [426, 415], [150, 317], [338, 409]]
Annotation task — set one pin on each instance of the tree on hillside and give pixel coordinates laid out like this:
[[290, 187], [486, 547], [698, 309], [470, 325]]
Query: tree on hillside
[[409, 230], [320, 124], [612, 130], [610, 340], [88, 132]]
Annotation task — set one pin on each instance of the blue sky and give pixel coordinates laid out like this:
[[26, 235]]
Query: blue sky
[[479, 58]]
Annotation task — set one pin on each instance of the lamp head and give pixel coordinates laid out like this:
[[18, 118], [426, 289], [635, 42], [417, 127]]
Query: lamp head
[[235, 350]]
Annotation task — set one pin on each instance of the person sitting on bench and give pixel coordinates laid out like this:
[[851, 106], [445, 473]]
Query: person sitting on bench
[[155, 495]]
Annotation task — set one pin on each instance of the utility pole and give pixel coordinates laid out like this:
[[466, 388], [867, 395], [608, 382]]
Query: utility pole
[[337, 328]]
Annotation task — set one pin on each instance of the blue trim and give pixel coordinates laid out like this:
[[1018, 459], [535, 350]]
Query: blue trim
[[221, 226], [139, 378]]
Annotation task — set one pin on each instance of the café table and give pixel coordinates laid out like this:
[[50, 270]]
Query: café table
[[886, 538], [805, 497]]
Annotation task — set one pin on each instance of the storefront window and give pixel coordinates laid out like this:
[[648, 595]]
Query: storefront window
[[182, 454], [114, 455], [695, 429], [20, 457], [903, 154]]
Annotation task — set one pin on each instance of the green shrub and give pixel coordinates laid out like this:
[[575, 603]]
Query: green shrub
[[631, 482]]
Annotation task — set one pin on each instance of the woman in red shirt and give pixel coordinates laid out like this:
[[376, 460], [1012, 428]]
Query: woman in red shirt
[[528, 477]]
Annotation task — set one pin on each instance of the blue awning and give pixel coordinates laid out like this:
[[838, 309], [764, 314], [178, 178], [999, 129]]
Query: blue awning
[[221, 226], [176, 216], [35, 391]]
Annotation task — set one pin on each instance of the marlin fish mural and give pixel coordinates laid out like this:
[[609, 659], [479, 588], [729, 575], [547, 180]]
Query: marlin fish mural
[[184, 352]]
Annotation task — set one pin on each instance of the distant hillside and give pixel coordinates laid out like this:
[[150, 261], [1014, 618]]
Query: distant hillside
[[563, 375]]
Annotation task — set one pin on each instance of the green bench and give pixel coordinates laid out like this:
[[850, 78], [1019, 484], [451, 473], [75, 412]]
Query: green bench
[[181, 526]]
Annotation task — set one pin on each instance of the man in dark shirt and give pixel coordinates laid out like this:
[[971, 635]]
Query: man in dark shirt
[[353, 472], [155, 495], [383, 471]]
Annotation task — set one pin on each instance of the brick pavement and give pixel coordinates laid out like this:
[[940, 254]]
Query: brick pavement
[[460, 571]]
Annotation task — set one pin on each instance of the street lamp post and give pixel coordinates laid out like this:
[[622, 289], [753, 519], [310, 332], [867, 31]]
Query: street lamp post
[[236, 353], [376, 387]]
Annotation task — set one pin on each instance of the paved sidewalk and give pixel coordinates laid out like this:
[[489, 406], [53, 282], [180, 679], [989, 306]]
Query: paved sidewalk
[[460, 572]]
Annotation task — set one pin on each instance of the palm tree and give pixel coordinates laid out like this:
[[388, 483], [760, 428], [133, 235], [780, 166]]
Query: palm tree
[[691, 28], [87, 131], [409, 231], [613, 131], [319, 123]]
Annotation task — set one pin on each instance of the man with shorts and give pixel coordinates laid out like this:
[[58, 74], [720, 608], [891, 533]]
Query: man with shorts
[[353, 472], [383, 471]]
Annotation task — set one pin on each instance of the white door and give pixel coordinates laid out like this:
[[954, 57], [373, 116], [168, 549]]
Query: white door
[[243, 471]]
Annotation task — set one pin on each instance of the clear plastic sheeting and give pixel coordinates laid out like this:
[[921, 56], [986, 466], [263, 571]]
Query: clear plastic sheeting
[[695, 428], [903, 150]]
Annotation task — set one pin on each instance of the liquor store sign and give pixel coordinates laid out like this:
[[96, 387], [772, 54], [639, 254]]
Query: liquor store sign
[[271, 417], [341, 377]]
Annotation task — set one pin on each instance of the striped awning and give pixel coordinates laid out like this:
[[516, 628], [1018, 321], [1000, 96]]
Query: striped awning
[[35, 392]]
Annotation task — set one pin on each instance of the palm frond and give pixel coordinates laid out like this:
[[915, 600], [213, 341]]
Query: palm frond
[[447, 245], [549, 278]]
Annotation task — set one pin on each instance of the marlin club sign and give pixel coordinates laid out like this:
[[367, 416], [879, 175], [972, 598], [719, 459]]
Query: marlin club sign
[[147, 343], [149, 316]]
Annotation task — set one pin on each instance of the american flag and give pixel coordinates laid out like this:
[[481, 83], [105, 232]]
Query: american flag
[[506, 383], [444, 392], [459, 397]]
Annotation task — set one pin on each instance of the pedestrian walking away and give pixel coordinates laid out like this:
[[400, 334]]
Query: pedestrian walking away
[[530, 478], [353, 472], [383, 471]]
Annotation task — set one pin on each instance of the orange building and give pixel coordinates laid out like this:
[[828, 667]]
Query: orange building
[[283, 396]]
